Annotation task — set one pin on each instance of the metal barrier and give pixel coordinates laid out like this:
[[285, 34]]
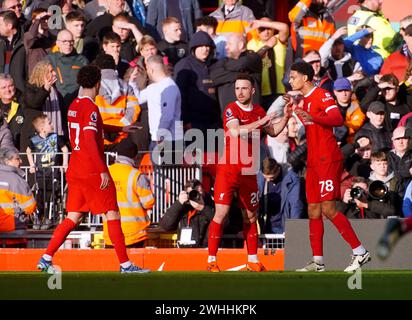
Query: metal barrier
[[166, 180]]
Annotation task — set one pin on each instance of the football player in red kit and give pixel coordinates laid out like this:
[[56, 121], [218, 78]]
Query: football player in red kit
[[319, 113], [243, 123], [90, 187]]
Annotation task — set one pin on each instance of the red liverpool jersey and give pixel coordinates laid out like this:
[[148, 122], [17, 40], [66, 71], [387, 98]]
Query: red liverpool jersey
[[235, 146], [86, 139], [322, 144]]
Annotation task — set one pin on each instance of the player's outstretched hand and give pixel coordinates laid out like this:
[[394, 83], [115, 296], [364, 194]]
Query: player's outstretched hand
[[105, 180]]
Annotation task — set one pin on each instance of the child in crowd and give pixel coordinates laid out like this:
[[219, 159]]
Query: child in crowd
[[46, 145]]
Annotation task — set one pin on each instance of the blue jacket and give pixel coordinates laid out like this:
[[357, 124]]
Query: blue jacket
[[407, 202], [157, 12], [285, 200], [369, 59]]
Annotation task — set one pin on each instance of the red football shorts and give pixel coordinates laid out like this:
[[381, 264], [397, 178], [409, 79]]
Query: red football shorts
[[229, 180], [323, 182], [85, 195]]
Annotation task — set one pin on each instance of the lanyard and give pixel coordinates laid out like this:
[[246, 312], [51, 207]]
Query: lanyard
[[190, 215]]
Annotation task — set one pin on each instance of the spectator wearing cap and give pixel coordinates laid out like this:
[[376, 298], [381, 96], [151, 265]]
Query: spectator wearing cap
[[385, 89], [398, 61], [349, 108], [400, 158], [370, 13], [360, 46], [200, 108], [375, 130]]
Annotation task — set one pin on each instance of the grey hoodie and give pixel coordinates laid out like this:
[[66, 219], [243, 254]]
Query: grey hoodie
[[112, 88]]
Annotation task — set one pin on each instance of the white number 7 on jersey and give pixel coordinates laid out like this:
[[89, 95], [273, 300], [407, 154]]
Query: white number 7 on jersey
[[76, 126]]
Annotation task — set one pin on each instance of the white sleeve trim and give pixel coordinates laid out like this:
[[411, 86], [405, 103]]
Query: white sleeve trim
[[330, 108], [90, 128], [232, 121]]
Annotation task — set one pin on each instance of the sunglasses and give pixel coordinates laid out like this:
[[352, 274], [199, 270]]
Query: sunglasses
[[261, 29], [16, 6]]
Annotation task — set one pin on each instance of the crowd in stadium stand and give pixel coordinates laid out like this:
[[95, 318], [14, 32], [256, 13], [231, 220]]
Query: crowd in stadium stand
[[168, 67]]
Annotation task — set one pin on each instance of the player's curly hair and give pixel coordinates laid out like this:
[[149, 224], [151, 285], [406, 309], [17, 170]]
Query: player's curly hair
[[89, 76], [303, 68]]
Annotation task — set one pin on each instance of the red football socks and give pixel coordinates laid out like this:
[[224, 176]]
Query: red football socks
[[316, 236], [345, 229], [215, 233], [407, 225], [117, 237], [59, 236], [250, 234]]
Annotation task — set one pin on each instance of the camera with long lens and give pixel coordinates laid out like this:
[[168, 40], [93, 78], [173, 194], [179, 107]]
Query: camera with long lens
[[195, 196], [357, 193], [377, 190]]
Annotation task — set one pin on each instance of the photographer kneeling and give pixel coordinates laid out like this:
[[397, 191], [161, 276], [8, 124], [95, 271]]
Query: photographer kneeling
[[190, 215], [367, 200]]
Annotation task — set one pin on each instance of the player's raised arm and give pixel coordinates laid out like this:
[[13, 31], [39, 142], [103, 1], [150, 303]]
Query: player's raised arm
[[273, 129], [235, 129]]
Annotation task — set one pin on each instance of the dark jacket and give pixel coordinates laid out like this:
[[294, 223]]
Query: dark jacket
[[353, 163], [128, 50], [381, 138], [34, 99], [376, 209], [98, 27], [18, 66], [199, 103], [67, 67], [176, 217], [173, 51], [393, 113], [157, 12], [400, 167], [225, 71], [15, 120], [91, 48], [37, 45]]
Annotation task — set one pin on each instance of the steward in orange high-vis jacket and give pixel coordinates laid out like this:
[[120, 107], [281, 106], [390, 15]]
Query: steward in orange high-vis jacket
[[16, 198], [134, 198]]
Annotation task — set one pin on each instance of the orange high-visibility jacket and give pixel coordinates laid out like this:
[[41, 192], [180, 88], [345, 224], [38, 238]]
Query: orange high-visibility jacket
[[117, 104], [134, 198], [309, 32], [15, 197]]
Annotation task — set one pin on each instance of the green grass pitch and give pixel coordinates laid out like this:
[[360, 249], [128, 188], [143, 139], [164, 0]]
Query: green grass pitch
[[206, 286]]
